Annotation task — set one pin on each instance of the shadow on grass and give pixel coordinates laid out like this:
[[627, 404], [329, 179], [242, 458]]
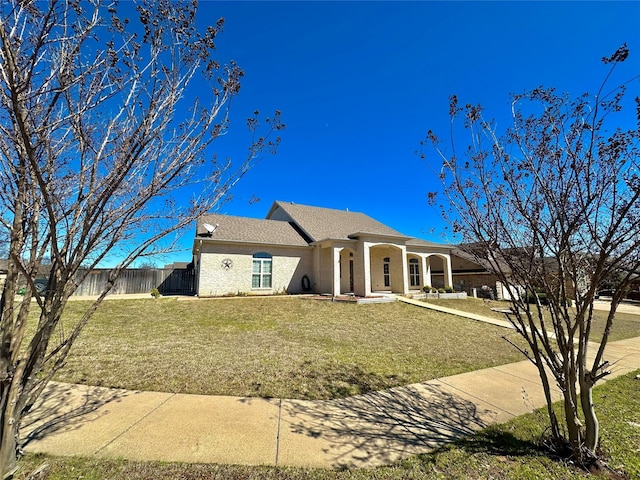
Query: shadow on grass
[[326, 381], [496, 441], [339, 380], [382, 427]]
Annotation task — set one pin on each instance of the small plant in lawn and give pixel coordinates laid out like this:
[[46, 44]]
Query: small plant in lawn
[[155, 293]]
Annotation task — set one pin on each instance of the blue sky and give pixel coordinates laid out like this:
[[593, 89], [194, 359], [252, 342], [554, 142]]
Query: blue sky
[[359, 84]]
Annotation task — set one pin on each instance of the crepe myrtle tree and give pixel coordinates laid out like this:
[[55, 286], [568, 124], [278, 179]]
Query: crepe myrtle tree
[[101, 142], [553, 207]]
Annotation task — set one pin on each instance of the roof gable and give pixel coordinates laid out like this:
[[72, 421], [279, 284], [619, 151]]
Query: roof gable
[[319, 223]]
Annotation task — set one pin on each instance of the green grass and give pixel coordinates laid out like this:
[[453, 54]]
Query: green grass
[[502, 452], [275, 347], [626, 325]]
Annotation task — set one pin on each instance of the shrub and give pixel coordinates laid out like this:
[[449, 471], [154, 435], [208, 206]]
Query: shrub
[[441, 290], [155, 293], [428, 289], [448, 289], [531, 298]]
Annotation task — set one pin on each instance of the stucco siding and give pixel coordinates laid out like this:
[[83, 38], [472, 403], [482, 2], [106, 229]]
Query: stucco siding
[[346, 267], [289, 265], [377, 268], [326, 270]]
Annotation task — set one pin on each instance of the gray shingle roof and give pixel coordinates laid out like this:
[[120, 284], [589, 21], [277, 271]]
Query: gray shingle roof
[[252, 230], [474, 253], [321, 223]]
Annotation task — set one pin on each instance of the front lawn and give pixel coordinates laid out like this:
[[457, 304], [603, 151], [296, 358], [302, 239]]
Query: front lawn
[[275, 347], [626, 325]]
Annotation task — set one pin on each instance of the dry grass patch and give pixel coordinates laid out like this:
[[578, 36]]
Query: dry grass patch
[[275, 347]]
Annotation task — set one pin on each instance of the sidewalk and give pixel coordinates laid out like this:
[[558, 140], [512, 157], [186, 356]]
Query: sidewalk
[[362, 431]]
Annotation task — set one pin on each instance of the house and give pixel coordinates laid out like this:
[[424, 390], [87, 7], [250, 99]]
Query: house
[[4, 265], [300, 248]]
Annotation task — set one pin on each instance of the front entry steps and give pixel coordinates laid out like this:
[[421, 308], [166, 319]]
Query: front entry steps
[[351, 298]]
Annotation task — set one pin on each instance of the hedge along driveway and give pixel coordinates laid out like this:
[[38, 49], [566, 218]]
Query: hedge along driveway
[[275, 347]]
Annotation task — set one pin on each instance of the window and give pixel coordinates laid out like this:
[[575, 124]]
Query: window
[[261, 275], [414, 272], [386, 272]]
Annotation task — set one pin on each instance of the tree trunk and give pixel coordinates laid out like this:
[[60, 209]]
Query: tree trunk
[[8, 458], [574, 426], [10, 425], [546, 387], [591, 422]]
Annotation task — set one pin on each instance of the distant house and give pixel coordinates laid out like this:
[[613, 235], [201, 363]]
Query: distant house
[[3, 271], [299, 248], [473, 273]]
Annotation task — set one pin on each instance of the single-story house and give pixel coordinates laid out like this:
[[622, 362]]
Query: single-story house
[[300, 248]]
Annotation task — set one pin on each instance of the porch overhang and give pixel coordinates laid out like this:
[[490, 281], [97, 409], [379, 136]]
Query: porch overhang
[[382, 238], [328, 242]]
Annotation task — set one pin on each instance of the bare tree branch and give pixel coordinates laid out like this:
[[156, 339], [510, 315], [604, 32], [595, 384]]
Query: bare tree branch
[[101, 139], [554, 206]]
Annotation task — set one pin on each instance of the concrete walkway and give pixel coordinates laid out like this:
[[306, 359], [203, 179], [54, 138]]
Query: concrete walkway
[[459, 313], [362, 431]]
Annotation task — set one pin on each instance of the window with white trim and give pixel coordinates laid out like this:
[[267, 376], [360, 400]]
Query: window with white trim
[[386, 271], [261, 273], [414, 272]]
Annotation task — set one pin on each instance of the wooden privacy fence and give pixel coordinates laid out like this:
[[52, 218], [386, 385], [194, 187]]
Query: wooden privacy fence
[[141, 280]]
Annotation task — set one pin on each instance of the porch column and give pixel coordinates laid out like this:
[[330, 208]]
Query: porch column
[[335, 255], [405, 271], [448, 275], [362, 270], [426, 271], [366, 251]]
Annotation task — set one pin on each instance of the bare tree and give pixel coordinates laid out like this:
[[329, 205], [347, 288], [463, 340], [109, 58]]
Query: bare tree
[[553, 205], [100, 136]]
